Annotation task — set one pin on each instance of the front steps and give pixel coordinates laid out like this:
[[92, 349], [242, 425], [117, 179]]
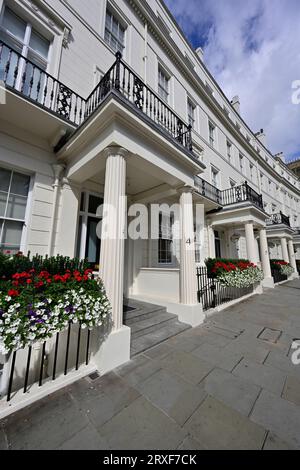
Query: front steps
[[150, 325]]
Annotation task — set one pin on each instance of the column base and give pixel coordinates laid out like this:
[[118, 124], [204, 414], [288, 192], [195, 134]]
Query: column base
[[268, 282], [259, 289], [192, 315], [114, 351]]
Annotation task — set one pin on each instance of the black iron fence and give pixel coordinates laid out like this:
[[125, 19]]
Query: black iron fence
[[279, 218], [277, 275], [211, 293], [56, 356], [32, 82]]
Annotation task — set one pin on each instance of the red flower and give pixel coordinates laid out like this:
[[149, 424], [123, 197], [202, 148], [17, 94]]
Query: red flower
[[13, 293], [15, 283], [39, 284], [29, 281]]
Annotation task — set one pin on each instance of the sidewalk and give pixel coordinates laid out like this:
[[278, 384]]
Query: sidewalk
[[228, 384]]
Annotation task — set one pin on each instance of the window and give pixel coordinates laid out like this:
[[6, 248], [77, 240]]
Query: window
[[229, 148], [211, 130], [163, 84], [232, 183], [214, 177], [217, 244], [14, 188], [88, 241], [22, 37], [114, 32], [165, 240], [191, 112], [241, 161], [274, 208]]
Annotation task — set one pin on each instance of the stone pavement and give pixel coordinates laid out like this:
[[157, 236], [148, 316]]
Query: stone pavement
[[228, 384]]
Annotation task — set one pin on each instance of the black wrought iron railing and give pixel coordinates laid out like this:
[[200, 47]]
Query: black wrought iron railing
[[57, 356], [32, 82], [121, 78], [277, 275], [211, 293], [279, 218], [208, 190], [242, 193]]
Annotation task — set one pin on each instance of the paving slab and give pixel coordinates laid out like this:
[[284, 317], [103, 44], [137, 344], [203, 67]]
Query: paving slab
[[190, 444], [235, 392], [263, 375], [273, 442], [283, 363], [104, 398], [186, 366], [45, 425], [3, 441], [138, 369], [142, 426], [216, 356], [279, 416], [269, 335], [85, 439], [291, 391], [176, 397], [159, 351], [216, 426]]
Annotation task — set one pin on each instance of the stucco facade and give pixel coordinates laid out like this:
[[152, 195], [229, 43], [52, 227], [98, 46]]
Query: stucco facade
[[119, 150]]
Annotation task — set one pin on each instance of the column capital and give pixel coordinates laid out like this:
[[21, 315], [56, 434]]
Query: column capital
[[185, 189], [114, 151]]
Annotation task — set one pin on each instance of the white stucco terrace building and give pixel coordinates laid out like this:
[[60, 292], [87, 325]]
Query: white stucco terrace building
[[80, 124]]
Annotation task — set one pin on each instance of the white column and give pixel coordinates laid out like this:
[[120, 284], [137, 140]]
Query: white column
[[113, 231], [211, 241], [265, 259], [284, 249], [188, 280], [292, 256], [250, 242], [65, 241]]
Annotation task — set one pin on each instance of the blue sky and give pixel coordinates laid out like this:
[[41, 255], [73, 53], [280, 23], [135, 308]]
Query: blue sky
[[252, 48]]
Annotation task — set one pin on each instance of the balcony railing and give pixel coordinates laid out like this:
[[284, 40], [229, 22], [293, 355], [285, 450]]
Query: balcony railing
[[208, 190], [279, 218], [242, 193], [32, 82], [122, 79]]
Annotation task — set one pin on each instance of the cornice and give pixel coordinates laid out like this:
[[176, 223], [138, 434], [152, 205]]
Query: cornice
[[146, 14]]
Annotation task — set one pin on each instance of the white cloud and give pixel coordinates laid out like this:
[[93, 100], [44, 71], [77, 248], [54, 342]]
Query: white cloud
[[253, 50]]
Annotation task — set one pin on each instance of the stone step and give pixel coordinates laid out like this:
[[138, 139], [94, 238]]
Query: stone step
[[160, 334], [151, 324], [139, 315], [147, 317]]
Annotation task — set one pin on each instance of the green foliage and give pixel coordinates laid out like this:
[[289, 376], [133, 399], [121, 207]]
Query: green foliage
[[18, 263]]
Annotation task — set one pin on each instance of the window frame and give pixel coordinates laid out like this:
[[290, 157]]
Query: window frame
[[24, 221], [191, 118], [160, 259], [121, 24], [166, 91], [211, 135]]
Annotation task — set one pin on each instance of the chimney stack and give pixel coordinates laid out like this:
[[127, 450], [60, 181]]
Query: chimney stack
[[262, 137], [236, 104], [279, 156]]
